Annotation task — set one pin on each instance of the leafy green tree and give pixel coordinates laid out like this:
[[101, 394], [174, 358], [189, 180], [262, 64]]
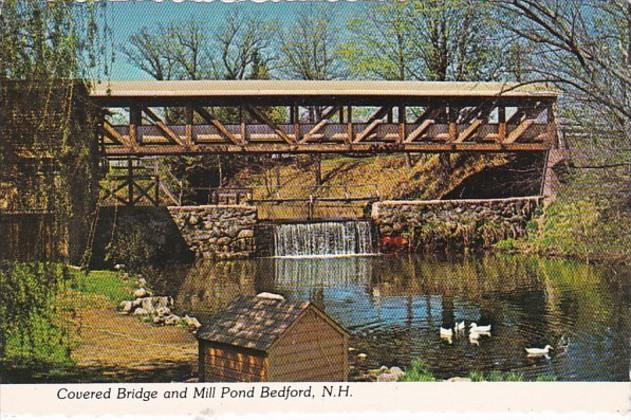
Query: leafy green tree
[[426, 40]]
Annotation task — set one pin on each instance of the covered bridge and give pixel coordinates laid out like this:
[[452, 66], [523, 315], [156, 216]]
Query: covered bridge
[[359, 116]]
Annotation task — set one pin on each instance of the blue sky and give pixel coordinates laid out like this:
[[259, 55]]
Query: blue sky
[[127, 17]]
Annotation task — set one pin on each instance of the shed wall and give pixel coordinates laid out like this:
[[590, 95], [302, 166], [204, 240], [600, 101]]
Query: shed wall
[[311, 350], [224, 363]]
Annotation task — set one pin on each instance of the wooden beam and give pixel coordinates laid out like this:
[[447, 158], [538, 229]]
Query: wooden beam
[[501, 123], [227, 148], [431, 113], [112, 133], [516, 133], [418, 131], [214, 121], [366, 132], [165, 129], [452, 124], [468, 132], [314, 130], [378, 114], [402, 124], [263, 118], [189, 125], [134, 121]]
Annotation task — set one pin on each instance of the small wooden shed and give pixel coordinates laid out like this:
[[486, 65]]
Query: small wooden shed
[[266, 338]]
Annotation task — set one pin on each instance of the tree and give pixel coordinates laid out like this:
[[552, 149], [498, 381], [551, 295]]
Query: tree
[[309, 49], [585, 49], [426, 40], [192, 51]]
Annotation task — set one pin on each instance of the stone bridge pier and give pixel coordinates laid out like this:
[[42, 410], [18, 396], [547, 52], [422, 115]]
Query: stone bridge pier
[[217, 231]]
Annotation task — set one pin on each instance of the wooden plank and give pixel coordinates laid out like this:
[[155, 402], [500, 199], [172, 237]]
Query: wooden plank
[[302, 347], [469, 131], [112, 133], [501, 123], [518, 131], [214, 121], [165, 129], [302, 372], [262, 118], [310, 134], [366, 132], [418, 131], [402, 124], [189, 125], [199, 149], [134, 122]]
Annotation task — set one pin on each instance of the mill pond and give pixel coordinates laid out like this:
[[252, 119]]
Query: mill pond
[[394, 306]]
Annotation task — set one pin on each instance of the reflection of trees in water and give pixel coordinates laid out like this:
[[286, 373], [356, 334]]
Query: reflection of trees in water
[[395, 305], [210, 285]]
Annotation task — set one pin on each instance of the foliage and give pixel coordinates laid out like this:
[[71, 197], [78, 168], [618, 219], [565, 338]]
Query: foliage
[[426, 40], [309, 49], [418, 372], [30, 315], [114, 286], [497, 376], [587, 228], [48, 51]]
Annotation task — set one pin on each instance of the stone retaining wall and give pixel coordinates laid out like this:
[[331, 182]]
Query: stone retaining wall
[[217, 231], [441, 224]]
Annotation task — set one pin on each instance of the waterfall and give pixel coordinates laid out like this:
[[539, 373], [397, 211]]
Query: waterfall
[[322, 239]]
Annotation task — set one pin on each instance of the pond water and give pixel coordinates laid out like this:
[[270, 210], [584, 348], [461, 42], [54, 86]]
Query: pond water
[[394, 307]]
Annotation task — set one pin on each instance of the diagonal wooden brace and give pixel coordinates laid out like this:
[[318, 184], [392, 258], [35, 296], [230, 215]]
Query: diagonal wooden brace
[[165, 129], [214, 121], [263, 118]]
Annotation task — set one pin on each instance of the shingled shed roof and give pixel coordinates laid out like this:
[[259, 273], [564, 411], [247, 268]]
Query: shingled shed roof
[[257, 322]]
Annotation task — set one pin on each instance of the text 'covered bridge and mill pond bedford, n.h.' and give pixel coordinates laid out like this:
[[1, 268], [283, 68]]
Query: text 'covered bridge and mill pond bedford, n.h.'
[[147, 119]]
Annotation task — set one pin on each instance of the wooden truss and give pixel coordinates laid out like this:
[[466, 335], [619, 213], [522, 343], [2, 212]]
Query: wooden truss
[[445, 125]]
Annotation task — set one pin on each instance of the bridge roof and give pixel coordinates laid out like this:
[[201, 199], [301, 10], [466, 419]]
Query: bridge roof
[[139, 89]]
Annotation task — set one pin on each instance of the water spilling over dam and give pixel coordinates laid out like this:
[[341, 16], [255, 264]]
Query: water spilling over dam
[[323, 239]]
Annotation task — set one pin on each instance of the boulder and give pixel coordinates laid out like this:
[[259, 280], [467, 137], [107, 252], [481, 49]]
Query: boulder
[[362, 356], [171, 320], [192, 322], [387, 377], [140, 312], [246, 233], [158, 319], [126, 306], [119, 267], [458, 379], [141, 293], [141, 282], [395, 370], [163, 311]]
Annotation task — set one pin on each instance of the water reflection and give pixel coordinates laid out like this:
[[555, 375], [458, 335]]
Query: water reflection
[[394, 307]]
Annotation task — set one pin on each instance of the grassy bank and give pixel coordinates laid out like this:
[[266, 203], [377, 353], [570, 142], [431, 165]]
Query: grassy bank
[[38, 315], [61, 325], [587, 228], [419, 372]]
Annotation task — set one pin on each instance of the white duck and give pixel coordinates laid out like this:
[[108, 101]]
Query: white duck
[[474, 338], [535, 352], [473, 327], [460, 326], [447, 334]]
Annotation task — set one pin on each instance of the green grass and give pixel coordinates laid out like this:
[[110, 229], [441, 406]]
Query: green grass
[[37, 315], [497, 376], [418, 372], [114, 286]]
